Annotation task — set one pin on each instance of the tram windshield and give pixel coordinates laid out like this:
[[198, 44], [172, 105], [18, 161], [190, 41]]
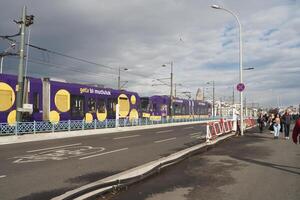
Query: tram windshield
[[145, 104]]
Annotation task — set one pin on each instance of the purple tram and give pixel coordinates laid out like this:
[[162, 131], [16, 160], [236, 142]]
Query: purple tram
[[54, 101], [158, 107]]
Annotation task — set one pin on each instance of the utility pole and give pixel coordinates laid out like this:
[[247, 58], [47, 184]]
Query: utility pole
[[233, 96], [214, 99], [119, 79], [171, 92], [21, 68], [26, 21]]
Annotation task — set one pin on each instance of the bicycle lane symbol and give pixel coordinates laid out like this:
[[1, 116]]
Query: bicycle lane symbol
[[58, 154]]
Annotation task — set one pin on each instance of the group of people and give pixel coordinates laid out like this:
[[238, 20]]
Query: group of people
[[278, 123]]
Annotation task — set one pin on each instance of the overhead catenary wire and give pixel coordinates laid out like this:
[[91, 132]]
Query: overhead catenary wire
[[84, 60], [59, 66], [78, 59]]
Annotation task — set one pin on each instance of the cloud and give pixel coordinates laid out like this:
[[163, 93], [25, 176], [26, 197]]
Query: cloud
[[142, 35]]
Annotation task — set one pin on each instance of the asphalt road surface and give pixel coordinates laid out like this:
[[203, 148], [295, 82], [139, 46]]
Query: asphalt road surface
[[45, 169], [251, 167]]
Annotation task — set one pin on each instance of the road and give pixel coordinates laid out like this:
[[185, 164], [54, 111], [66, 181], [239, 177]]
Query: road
[[251, 167], [45, 169]]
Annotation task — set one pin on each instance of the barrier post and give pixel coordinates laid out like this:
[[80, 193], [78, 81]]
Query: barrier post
[[16, 129], [208, 135], [69, 125], [34, 125], [52, 127]]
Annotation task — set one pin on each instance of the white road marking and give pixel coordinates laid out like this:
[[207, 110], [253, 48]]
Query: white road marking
[[53, 148], [198, 137], [194, 133], [2, 176], [91, 156], [118, 138], [174, 138], [188, 127], [166, 131]]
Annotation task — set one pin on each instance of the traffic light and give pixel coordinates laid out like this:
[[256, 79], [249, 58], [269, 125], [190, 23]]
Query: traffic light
[[29, 20]]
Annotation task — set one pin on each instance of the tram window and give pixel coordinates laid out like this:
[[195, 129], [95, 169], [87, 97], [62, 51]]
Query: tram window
[[92, 105], [154, 107], [183, 110], [145, 104], [36, 102], [101, 106], [177, 109], [77, 106], [111, 104]]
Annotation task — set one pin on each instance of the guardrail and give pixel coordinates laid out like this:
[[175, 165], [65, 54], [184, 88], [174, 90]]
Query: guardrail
[[72, 125]]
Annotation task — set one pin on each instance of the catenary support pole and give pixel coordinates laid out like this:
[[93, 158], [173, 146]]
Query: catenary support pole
[[21, 68]]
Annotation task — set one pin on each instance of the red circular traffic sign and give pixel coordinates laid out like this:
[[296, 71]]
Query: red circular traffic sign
[[240, 87]]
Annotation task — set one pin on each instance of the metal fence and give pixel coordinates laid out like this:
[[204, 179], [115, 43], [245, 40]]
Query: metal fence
[[71, 125]]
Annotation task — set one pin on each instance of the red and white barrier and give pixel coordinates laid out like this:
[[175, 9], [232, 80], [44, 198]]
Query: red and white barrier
[[222, 127], [217, 128]]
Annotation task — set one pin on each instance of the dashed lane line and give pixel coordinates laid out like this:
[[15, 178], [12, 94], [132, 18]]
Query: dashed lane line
[[2, 176], [100, 154], [159, 141], [188, 128], [194, 133], [36, 150], [198, 136], [125, 137], [166, 131]]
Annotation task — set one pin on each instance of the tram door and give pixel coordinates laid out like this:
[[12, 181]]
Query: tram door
[[77, 107], [111, 107]]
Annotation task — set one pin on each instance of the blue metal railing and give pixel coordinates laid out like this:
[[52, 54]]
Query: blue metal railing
[[71, 125]]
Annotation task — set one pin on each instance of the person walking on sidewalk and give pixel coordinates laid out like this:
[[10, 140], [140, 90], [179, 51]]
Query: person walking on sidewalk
[[296, 132], [286, 121], [276, 126], [261, 122], [271, 122]]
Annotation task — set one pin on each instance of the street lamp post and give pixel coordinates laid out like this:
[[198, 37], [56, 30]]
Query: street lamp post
[[241, 62], [171, 91], [213, 93]]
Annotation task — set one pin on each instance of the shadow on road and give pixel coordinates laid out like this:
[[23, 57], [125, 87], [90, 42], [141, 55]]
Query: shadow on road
[[266, 164]]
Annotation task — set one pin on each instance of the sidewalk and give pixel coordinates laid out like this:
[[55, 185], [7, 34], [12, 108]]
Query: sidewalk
[[251, 167]]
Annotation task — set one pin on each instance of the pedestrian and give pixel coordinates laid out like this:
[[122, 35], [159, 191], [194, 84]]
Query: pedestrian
[[238, 127], [271, 122], [296, 132], [286, 121], [276, 126], [266, 117], [260, 121]]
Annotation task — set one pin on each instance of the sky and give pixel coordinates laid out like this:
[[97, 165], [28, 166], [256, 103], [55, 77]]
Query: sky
[[142, 35]]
